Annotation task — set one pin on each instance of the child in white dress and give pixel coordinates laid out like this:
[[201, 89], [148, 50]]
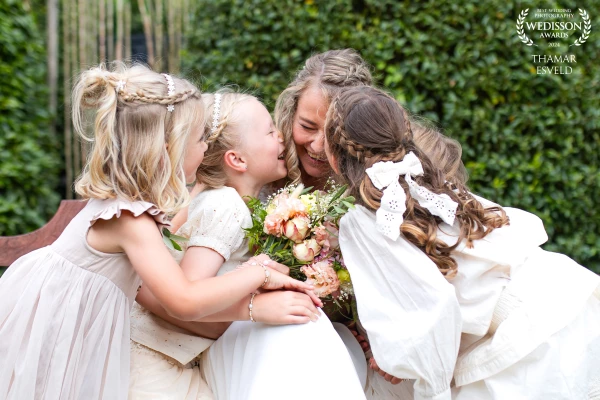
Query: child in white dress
[[252, 360], [453, 290], [64, 315]]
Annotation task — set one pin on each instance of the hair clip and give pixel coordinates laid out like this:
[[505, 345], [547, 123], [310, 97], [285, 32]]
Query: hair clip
[[170, 90], [120, 86], [216, 113]]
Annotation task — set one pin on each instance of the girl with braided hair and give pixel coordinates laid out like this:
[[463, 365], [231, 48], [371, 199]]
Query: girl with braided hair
[[248, 360], [64, 315], [300, 115], [453, 290]]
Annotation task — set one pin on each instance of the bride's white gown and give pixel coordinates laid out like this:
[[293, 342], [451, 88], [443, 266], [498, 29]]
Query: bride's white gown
[[250, 360]]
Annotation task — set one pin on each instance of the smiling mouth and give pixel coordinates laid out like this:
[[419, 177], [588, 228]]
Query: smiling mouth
[[316, 157], [281, 156]]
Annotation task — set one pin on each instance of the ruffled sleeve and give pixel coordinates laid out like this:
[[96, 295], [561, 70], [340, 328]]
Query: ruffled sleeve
[[110, 208], [216, 220], [409, 310]]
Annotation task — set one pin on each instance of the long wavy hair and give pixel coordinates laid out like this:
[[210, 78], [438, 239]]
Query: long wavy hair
[[365, 125], [329, 71], [138, 145]]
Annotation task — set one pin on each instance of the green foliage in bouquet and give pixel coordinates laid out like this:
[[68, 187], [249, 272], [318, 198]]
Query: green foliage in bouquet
[[321, 207], [172, 241], [530, 141], [299, 229], [30, 156]]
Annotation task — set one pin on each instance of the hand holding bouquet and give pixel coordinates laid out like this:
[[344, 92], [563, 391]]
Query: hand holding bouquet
[[299, 228]]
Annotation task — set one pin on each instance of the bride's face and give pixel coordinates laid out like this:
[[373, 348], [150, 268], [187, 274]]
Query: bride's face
[[308, 132]]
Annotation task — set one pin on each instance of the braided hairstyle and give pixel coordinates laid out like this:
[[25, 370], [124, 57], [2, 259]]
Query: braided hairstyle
[[138, 145], [365, 125], [330, 71], [225, 137]]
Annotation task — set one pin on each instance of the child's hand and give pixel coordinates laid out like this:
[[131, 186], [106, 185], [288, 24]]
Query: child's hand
[[391, 379], [284, 307], [279, 278], [265, 259]]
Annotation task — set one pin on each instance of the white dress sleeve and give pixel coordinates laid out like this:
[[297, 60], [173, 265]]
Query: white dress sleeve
[[409, 310], [216, 220]]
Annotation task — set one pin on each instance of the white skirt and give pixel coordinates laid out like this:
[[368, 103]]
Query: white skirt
[[158, 377], [292, 362], [564, 367]]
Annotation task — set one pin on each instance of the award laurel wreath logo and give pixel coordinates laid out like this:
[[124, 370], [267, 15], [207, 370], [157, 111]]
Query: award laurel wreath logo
[[520, 31], [587, 27]]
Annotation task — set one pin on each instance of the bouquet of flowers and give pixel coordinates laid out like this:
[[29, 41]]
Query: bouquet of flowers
[[299, 228]]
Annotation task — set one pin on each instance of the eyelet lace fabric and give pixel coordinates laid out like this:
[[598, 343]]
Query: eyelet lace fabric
[[390, 214]]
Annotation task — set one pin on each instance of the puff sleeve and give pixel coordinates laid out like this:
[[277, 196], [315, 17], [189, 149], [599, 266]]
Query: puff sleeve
[[409, 310], [216, 220]]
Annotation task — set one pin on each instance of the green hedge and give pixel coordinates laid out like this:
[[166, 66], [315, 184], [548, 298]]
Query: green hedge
[[530, 141], [30, 158]]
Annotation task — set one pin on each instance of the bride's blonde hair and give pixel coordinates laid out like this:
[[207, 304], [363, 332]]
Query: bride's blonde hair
[[138, 145], [329, 71]]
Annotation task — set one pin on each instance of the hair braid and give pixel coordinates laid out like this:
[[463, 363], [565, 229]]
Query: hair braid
[[365, 119], [157, 99]]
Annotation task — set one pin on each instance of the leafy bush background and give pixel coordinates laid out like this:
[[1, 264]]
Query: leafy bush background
[[530, 141], [30, 157]]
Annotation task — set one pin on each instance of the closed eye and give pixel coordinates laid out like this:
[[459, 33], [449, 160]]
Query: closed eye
[[308, 128]]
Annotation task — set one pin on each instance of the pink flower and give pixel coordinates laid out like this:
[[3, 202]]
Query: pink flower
[[297, 228], [273, 225], [326, 236], [333, 233], [321, 234], [291, 207], [307, 250], [322, 276]]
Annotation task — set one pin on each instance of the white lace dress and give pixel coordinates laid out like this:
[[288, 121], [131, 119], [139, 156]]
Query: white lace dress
[[517, 322], [251, 360]]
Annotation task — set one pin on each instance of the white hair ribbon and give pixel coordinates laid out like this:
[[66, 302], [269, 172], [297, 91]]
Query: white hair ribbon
[[390, 215]]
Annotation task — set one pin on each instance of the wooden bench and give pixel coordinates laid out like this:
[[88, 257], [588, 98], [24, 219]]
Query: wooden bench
[[13, 247]]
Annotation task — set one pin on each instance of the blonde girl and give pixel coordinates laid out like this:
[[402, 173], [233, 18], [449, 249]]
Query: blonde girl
[[453, 290], [64, 318], [251, 360]]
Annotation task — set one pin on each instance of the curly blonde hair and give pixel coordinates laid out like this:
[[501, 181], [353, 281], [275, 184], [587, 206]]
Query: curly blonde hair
[[329, 71], [225, 137], [364, 125], [138, 146]]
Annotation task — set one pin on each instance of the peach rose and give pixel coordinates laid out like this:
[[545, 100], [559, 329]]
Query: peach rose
[[297, 228], [307, 250], [273, 225], [322, 276]]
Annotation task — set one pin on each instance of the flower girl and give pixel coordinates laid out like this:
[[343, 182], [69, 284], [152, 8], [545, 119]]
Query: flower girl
[[251, 360], [453, 290], [64, 315]]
